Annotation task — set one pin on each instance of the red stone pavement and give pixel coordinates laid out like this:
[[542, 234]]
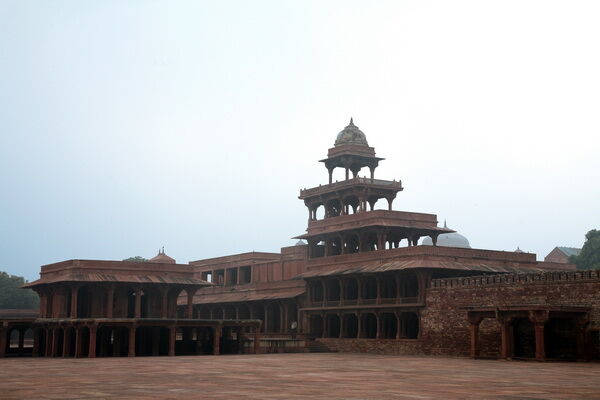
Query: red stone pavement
[[295, 376]]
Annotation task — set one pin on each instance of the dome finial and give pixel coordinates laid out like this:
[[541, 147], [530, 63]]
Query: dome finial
[[445, 226], [351, 122]]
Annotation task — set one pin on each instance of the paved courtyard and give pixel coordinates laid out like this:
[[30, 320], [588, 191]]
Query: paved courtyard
[[295, 376]]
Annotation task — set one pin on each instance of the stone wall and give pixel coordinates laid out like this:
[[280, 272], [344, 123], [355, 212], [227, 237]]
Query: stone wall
[[444, 326]]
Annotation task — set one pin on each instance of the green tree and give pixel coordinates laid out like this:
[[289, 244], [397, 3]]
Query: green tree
[[589, 257], [136, 259], [12, 296]]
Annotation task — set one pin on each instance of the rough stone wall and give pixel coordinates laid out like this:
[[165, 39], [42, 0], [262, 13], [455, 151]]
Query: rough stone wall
[[444, 325]]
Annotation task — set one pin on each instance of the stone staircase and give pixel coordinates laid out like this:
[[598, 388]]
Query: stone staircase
[[315, 346]]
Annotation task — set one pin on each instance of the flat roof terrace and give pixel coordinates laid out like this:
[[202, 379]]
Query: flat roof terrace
[[296, 376]]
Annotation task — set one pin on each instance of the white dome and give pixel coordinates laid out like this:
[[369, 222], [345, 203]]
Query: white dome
[[448, 240]]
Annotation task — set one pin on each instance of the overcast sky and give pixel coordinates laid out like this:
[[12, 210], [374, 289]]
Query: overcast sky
[[130, 125]]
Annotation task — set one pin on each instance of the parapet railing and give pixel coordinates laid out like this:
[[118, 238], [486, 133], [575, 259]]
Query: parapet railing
[[491, 280], [351, 182]]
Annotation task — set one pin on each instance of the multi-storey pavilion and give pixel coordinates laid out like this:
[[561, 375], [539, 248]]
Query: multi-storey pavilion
[[90, 308]]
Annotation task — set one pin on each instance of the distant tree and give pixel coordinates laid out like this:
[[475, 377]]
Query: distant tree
[[11, 296], [589, 257], [136, 259]]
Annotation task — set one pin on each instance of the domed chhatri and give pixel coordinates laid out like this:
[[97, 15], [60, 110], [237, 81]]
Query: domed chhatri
[[351, 135], [448, 240]]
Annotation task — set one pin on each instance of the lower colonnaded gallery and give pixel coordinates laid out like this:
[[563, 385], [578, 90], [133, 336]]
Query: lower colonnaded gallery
[[360, 279]]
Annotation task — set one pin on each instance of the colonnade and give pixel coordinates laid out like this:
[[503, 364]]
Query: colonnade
[[363, 240], [369, 324], [277, 316], [381, 288], [141, 339], [112, 301]]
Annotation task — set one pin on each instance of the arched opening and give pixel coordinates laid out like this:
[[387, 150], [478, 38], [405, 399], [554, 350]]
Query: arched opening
[[152, 341], [350, 326], [59, 341], [351, 204], [389, 325], [336, 246], [151, 303], [409, 325], [13, 340], [352, 243], [333, 290], [524, 338], [217, 312], [320, 212], [351, 289], [316, 291], [91, 302], [124, 303], [369, 289], [333, 326], [243, 311], [388, 286], [409, 285], [561, 339], [333, 208], [273, 318], [369, 325], [316, 325], [369, 241], [229, 312], [203, 312], [258, 312], [378, 203]]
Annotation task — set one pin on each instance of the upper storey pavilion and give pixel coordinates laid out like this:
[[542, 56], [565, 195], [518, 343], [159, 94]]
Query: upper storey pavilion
[[351, 224]]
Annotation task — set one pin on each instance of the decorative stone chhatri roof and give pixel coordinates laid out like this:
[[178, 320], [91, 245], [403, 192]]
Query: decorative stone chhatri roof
[[162, 258], [351, 135]]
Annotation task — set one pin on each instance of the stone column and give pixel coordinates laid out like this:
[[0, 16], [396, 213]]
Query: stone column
[[21, 341], [190, 302], [341, 317], [266, 319], [325, 325], [217, 339], [256, 340], [378, 298], [474, 321], [110, 299], [283, 318], [359, 286], [378, 319], [165, 304], [138, 303], [341, 284], [66, 342], [359, 322], [55, 342], [172, 338], [3, 340], [78, 341], [324, 286], [398, 325], [539, 318], [506, 344], [74, 292], [48, 347], [92, 346], [131, 344]]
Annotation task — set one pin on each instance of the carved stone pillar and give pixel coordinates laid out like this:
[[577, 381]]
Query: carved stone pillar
[[506, 337], [138, 303], [110, 298], [92, 346], [539, 319], [190, 302], [217, 340], [172, 338], [74, 292], [131, 342]]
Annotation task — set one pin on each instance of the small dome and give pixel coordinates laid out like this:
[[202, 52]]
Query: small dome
[[300, 243], [351, 135], [162, 258], [448, 240], [518, 250]]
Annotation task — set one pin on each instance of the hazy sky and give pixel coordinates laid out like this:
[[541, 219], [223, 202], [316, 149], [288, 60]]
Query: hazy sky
[[130, 125]]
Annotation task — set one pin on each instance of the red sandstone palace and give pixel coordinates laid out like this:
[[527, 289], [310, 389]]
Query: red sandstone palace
[[365, 280]]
